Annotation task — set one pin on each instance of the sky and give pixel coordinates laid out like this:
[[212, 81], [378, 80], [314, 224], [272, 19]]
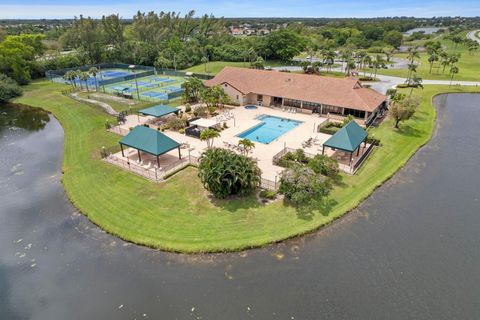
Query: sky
[[33, 9]]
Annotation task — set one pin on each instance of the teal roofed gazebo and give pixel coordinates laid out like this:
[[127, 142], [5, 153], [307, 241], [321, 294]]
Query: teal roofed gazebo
[[150, 141], [348, 139], [159, 111]]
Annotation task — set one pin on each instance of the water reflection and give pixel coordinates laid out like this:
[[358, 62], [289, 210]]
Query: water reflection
[[21, 116]]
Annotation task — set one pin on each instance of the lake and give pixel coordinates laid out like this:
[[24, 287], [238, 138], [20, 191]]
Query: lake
[[410, 251]]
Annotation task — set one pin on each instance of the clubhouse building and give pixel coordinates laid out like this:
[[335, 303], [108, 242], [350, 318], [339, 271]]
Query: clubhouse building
[[332, 97]]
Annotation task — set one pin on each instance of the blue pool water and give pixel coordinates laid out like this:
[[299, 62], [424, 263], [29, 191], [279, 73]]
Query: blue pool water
[[270, 129], [251, 106]]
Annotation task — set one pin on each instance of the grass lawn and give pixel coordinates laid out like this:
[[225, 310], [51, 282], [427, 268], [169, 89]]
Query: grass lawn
[[215, 67], [179, 215], [469, 66]]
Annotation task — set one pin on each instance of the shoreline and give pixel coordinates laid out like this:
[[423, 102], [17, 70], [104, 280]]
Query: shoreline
[[340, 211]]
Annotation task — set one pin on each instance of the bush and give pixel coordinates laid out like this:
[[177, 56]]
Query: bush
[[200, 111], [188, 108], [181, 131], [302, 186], [9, 89], [324, 165], [329, 130], [268, 194], [175, 123], [366, 79], [226, 173], [291, 158]]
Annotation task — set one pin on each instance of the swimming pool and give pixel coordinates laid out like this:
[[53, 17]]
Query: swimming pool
[[270, 129]]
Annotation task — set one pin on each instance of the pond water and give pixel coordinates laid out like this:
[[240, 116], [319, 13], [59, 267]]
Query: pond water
[[426, 30], [411, 251]]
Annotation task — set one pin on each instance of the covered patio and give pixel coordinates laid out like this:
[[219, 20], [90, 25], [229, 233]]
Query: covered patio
[[149, 141], [348, 141]]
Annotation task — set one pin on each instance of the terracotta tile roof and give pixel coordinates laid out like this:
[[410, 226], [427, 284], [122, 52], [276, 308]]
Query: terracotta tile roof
[[342, 92]]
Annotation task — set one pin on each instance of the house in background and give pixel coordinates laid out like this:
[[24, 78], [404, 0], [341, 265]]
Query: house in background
[[332, 97]]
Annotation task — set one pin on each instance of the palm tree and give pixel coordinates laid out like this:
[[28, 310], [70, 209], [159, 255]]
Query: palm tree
[[247, 145], [209, 135], [377, 62], [77, 75], [415, 82], [431, 59], [453, 71], [367, 61], [94, 71], [84, 76], [412, 68], [70, 76], [349, 66], [205, 62], [413, 53], [328, 58]]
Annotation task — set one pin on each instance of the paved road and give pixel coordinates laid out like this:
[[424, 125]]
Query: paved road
[[471, 35]]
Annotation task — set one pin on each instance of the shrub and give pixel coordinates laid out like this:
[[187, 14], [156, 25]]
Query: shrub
[[200, 111], [302, 186], [347, 120], [268, 194], [175, 123], [9, 89], [366, 79], [291, 158], [188, 108], [226, 173], [182, 130], [324, 165]]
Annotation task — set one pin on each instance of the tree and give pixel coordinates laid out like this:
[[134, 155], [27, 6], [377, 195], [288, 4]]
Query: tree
[[94, 71], [225, 173], [393, 38], [415, 82], [303, 187], [214, 96], [285, 44], [209, 135], [349, 66], [453, 71], [325, 165], [305, 66], [456, 40], [71, 76], [403, 109], [205, 63], [9, 88], [259, 63], [247, 145], [377, 63], [192, 87], [84, 76], [432, 58]]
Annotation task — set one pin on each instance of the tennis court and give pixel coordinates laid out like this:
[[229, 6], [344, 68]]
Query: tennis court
[[150, 88]]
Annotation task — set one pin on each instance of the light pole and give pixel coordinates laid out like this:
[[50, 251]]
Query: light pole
[[132, 67]]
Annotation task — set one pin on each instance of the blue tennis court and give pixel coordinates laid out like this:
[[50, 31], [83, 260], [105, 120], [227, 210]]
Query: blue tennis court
[[156, 95]]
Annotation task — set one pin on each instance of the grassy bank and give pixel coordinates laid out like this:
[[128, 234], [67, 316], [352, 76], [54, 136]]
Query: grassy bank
[[215, 67], [178, 215], [468, 65]]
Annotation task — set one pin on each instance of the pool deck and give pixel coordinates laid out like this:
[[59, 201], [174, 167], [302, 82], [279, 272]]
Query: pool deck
[[245, 119]]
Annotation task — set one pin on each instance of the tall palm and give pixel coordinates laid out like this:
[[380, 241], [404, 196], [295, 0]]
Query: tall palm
[[209, 135], [413, 54], [247, 145], [432, 58], [453, 71], [84, 76], [70, 76], [367, 61], [377, 62], [94, 71], [349, 66], [412, 68], [415, 82]]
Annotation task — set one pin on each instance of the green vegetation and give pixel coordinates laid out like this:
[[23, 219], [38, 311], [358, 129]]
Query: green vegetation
[[467, 64], [215, 67], [9, 89], [178, 215], [225, 173]]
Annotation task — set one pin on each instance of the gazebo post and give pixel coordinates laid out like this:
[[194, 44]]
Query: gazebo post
[[139, 157], [158, 161], [351, 157], [323, 150], [358, 151], [179, 154], [121, 147]]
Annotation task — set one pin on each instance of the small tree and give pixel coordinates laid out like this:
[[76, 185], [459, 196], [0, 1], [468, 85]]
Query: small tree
[[302, 186], [9, 88], [192, 88], [204, 60], [453, 71], [403, 109], [94, 71], [84, 76], [259, 63], [209, 135], [415, 82], [226, 173], [325, 165], [247, 145]]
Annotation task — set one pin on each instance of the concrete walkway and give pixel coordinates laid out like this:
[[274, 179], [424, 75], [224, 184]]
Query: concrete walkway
[[108, 108], [471, 35]]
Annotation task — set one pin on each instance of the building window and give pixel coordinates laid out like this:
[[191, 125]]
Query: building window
[[237, 97], [226, 85], [355, 113], [259, 97]]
